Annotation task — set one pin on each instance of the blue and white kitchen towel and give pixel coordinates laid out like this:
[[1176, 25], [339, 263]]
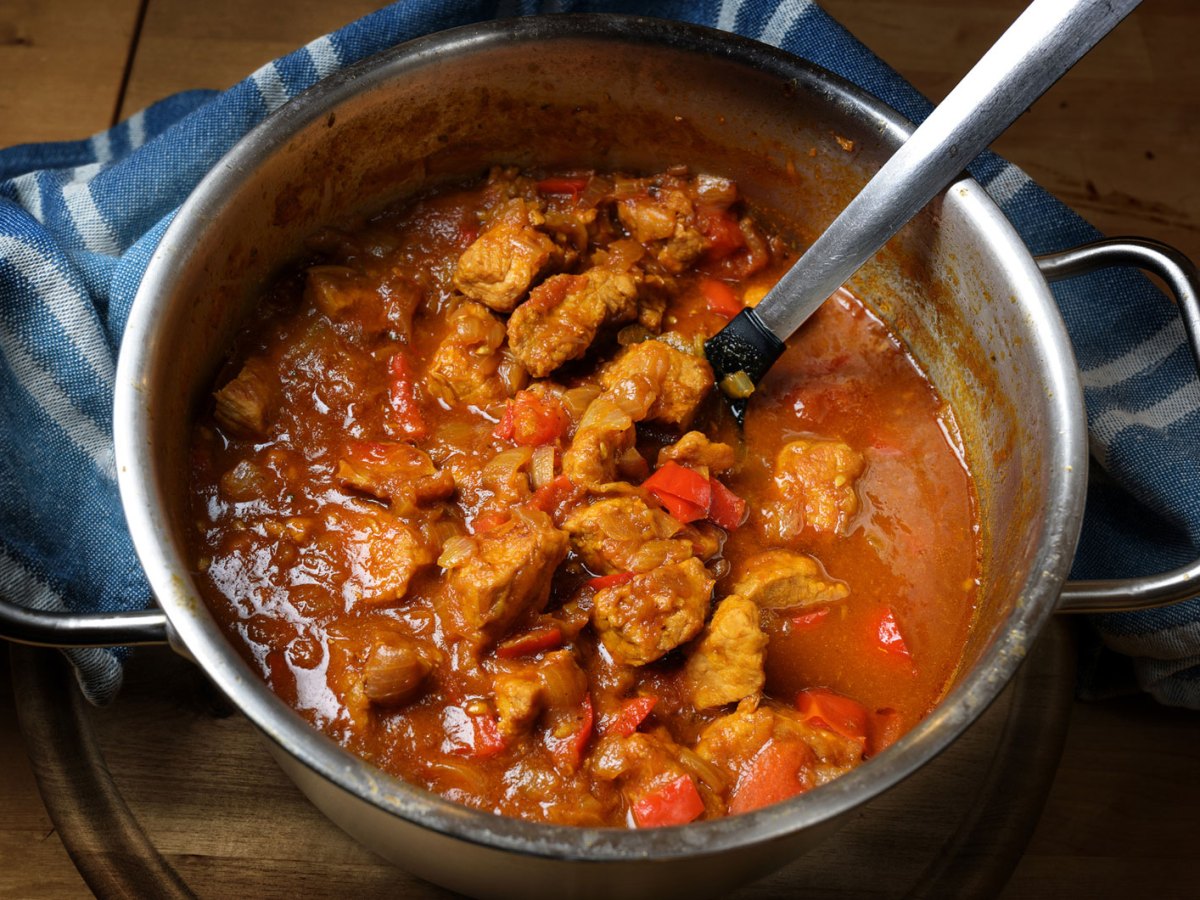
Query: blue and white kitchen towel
[[79, 220]]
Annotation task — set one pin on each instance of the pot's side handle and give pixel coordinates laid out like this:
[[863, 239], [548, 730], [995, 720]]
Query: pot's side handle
[[1181, 275], [64, 629]]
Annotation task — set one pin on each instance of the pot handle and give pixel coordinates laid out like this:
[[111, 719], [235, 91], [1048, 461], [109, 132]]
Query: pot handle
[[1183, 278], [65, 629]]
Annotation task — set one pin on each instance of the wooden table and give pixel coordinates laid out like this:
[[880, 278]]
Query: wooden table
[[1116, 139]]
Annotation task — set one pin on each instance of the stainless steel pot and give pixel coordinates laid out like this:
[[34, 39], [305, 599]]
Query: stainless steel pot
[[628, 93]]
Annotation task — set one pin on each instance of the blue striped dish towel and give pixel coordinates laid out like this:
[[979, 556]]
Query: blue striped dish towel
[[78, 222]]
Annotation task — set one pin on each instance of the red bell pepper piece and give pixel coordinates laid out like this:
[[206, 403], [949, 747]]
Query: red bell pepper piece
[[676, 802], [606, 581], [726, 508], [886, 729], [549, 498], [488, 739], [833, 712], [684, 492], [532, 642], [488, 520], [721, 231], [807, 620], [563, 184], [778, 771], [402, 397], [632, 714], [568, 751], [720, 297], [887, 632], [532, 420]]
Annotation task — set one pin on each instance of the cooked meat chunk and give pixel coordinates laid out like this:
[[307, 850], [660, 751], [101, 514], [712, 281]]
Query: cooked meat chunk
[[506, 476], [695, 450], [564, 314], [680, 381], [520, 697], [241, 406], [393, 471], [624, 534], [381, 553], [753, 733], [652, 614], [339, 290], [727, 664], [498, 268], [642, 763], [396, 669], [605, 433], [471, 366], [554, 685], [499, 574], [664, 219], [780, 579], [363, 303], [816, 478]]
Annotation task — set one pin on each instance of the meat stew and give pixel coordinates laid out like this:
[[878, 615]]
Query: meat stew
[[470, 503]]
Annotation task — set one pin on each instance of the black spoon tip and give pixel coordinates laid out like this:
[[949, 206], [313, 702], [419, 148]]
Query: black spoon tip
[[741, 353]]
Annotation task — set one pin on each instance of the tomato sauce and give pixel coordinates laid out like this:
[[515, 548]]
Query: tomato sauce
[[379, 451]]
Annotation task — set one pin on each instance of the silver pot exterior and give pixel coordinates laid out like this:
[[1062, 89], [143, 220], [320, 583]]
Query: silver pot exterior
[[608, 92]]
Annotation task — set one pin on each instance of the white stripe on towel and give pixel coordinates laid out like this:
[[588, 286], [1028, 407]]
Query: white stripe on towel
[[786, 14], [1005, 186], [324, 56], [89, 222], [137, 129], [29, 192], [1152, 351], [1179, 403], [24, 588], [101, 147], [727, 17], [64, 304], [76, 425], [270, 86]]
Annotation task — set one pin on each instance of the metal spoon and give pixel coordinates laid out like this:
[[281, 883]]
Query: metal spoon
[[1047, 39]]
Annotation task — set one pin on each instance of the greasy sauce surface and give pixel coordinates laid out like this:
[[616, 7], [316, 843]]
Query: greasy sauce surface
[[381, 601]]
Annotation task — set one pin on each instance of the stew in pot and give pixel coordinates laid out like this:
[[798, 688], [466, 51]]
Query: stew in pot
[[468, 500]]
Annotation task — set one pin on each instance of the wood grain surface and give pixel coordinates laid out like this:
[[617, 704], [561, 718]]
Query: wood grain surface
[[1116, 139]]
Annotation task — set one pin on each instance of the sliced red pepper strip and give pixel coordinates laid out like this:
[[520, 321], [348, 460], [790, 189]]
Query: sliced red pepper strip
[[889, 636], [676, 802], [402, 397], [489, 520], [606, 581], [778, 771], [632, 714], [563, 184], [720, 297], [726, 508], [684, 492], [504, 428], [532, 642], [834, 712], [809, 619], [568, 751]]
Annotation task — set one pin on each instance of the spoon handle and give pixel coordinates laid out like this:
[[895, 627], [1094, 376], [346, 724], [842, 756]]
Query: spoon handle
[[1047, 39]]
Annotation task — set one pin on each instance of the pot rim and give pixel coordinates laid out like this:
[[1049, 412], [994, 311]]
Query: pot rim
[[199, 638]]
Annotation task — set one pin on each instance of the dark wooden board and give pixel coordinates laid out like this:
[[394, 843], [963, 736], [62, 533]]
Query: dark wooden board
[[170, 793]]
